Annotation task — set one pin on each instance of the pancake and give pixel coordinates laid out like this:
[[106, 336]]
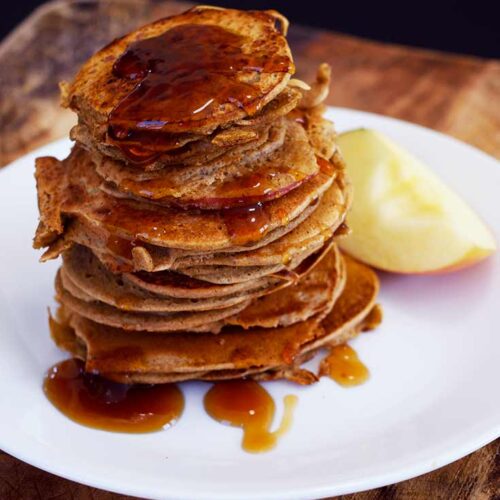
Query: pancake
[[198, 213], [245, 179], [307, 237], [193, 154], [85, 277], [199, 321], [126, 255], [319, 89], [309, 113], [227, 275], [172, 284], [362, 285], [120, 173], [196, 150], [285, 253], [176, 285], [237, 274], [258, 353], [321, 132], [72, 190], [107, 299], [121, 255], [314, 295], [251, 37]]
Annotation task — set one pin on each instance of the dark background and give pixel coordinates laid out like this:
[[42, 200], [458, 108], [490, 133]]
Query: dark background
[[471, 27]]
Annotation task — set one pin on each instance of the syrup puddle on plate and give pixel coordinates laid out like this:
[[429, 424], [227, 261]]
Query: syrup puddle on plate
[[96, 402], [246, 404], [343, 365]]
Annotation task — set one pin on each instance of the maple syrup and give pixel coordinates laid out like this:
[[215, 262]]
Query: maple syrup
[[343, 365], [139, 223], [246, 404], [121, 248], [325, 166], [183, 77], [246, 224], [94, 401], [342, 230], [373, 319], [257, 187]]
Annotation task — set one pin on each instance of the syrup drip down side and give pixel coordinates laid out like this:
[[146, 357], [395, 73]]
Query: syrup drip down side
[[343, 365]]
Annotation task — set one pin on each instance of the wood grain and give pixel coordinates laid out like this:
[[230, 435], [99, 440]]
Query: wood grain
[[454, 94]]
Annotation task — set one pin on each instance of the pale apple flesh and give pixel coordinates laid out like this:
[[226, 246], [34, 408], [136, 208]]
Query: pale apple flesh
[[404, 218]]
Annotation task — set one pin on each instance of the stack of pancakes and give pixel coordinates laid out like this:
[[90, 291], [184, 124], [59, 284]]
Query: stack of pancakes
[[198, 210]]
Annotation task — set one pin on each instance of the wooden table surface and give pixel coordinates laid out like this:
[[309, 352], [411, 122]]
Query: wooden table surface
[[454, 94]]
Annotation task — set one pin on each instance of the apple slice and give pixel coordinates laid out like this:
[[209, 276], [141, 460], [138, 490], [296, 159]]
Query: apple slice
[[404, 219]]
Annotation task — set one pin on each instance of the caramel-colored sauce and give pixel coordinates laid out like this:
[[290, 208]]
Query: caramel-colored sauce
[[325, 166], [183, 76], [121, 248], [60, 329], [246, 404], [152, 189], [257, 187], [344, 366], [258, 184], [137, 222], [373, 319], [246, 224], [342, 230], [94, 401]]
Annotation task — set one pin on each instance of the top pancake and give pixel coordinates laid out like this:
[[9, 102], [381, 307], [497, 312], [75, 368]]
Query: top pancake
[[255, 38]]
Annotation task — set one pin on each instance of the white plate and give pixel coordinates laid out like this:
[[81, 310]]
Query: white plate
[[432, 397]]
